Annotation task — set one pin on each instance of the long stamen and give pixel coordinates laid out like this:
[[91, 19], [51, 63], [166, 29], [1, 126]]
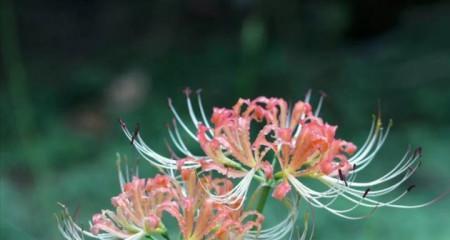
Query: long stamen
[[278, 231], [308, 96], [237, 194], [151, 156], [202, 112], [319, 105], [178, 118], [314, 201]]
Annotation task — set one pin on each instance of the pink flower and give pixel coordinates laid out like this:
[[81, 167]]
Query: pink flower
[[304, 146], [202, 218], [315, 151], [138, 210], [248, 141]]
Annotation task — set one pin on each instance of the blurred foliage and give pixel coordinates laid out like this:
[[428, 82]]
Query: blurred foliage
[[70, 69]]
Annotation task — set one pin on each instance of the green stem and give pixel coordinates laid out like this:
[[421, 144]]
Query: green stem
[[264, 193], [165, 236]]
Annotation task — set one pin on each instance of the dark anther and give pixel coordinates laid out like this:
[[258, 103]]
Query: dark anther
[[187, 91], [354, 167], [341, 176], [323, 94], [169, 148], [174, 122], [76, 213], [410, 188], [198, 91], [136, 132], [366, 192], [122, 123], [308, 120], [169, 100], [418, 152]]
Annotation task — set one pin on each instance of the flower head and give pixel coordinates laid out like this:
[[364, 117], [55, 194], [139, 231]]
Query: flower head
[[139, 209], [309, 149], [304, 146], [262, 139], [140, 206]]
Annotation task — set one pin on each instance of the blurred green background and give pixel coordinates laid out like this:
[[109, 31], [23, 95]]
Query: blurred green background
[[70, 69]]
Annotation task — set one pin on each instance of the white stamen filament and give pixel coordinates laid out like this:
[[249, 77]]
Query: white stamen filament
[[194, 119], [369, 152], [276, 232], [308, 96], [237, 194], [306, 193], [178, 143], [181, 122], [319, 106], [202, 113], [152, 157]]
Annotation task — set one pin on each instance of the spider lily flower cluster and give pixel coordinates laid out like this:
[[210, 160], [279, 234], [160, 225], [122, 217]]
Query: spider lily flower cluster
[[263, 141], [140, 207]]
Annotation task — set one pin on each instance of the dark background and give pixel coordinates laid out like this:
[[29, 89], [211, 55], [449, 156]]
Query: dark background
[[70, 69]]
